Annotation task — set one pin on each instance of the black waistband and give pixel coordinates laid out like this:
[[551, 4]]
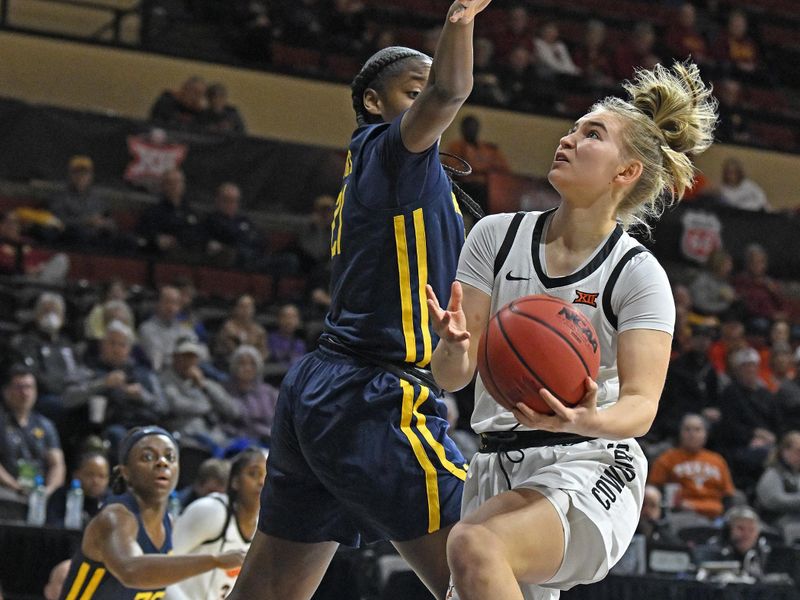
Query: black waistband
[[410, 373], [502, 441]]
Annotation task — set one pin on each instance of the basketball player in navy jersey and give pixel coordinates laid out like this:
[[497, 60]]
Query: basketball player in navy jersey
[[552, 501], [359, 447], [123, 550]]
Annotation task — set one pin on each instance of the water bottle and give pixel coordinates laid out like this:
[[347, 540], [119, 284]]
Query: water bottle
[[37, 503], [174, 506], [73, 517]]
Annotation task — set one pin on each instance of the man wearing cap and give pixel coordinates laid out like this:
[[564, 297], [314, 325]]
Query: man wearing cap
[[82, 211], [199, 408], [749, 419]]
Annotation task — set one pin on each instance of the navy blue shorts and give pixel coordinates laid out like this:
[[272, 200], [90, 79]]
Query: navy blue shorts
[[358, 452]]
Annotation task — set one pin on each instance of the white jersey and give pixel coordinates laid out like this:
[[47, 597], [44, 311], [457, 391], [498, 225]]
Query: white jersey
[[206, 527], [621, 286]]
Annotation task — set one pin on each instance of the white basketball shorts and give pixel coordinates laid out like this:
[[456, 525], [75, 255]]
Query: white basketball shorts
[[595, 486]]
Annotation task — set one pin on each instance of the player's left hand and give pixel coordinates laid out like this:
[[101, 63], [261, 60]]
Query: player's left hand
[[581, 419], [465, 10]]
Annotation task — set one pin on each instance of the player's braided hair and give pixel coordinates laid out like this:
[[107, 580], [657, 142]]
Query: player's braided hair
[[380, 68], [240, 461]]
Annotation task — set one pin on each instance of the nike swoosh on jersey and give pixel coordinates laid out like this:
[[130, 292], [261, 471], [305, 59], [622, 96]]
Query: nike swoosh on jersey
[[510, 277]]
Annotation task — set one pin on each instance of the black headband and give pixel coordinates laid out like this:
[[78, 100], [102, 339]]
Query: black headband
[[137, 434]]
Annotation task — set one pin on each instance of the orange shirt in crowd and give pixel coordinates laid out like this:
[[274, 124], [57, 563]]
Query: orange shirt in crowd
[[704, 478], [483, 157]]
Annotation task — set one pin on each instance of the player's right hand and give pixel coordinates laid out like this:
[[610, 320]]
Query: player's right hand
[[464, 11], [230, 559], [450, 324]]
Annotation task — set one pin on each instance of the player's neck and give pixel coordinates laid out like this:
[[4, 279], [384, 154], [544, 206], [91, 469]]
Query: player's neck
[[580, 229]]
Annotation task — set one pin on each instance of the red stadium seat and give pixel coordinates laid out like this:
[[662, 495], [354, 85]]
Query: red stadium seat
[[222, 283], [131, 270], [261, 287], [166, 273]]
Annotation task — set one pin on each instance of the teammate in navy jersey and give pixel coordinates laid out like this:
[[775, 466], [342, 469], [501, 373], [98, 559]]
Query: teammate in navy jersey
[[359, 447], [552, 501], [123, 550]]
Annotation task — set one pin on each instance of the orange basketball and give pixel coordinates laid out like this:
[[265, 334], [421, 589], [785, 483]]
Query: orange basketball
[[538, 342]]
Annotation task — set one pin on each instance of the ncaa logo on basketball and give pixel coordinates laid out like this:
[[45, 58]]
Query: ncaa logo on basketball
[[580, 326], [588, 298]]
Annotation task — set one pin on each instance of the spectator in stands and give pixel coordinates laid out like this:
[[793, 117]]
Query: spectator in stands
[[734, 48], [18, 256], [346, 24], [733, 120], [253, 31], [199, 408], [787, 397], [111, 306], [486, 87], [81, 210], [594, 56], [233, 238], [516, 30], [256, 399], [738, 190], [711, 290], [731, 337], [692, 385], [286, 344], [315, 240], [29, 443], [182, 108], [212, 476], [683, 39], [187, 315], [776, 355], [158, 334], [705, 481], [50, 354], [301, 22], [484, 158], [131, 391], [172, 228], [520, 82], [93, 472], [553, 58], [740, 540], [653, 525], [778, 489], [749, 419], [763, 297], [637, 51], [240, 329], [219, 116]]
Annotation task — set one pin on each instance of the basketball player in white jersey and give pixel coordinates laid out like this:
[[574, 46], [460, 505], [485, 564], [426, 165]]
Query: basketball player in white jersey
[[552, 501], [220, 522]]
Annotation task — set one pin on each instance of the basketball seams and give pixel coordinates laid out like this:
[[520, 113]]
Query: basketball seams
[[512, 308], [487, 363], [525, 364]]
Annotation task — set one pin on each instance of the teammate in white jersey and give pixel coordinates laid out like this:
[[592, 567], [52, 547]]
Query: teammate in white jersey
[[553, 501], [220, 522]]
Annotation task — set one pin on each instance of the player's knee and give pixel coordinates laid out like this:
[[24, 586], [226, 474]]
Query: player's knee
[[473, 550]]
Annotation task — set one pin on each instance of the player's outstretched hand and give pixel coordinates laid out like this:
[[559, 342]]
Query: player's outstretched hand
[[450, 324], [230, 559], [465, 10], [581, 419]]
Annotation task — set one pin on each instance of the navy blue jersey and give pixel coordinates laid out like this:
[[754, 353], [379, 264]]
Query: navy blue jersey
[[396, 227], [90, 580]]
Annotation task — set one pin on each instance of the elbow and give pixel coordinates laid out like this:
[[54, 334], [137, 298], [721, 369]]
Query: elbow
[[129, 575]]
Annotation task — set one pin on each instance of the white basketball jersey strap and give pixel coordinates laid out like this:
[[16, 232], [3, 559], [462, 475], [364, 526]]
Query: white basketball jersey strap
[[612, 280]]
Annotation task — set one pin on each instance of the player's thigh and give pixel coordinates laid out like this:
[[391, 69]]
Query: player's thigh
[[523, 525], [278, 568], [427, 555]]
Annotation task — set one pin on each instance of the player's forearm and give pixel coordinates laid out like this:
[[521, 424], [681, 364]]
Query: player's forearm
[[451, 72], [153, 571], [631, 416], [451, 367]]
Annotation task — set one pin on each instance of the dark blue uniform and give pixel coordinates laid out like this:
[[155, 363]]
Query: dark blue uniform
[[89, 579], [358, 447]]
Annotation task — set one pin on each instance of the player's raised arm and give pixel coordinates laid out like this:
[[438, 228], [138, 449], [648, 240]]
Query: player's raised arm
[[450, 80]]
